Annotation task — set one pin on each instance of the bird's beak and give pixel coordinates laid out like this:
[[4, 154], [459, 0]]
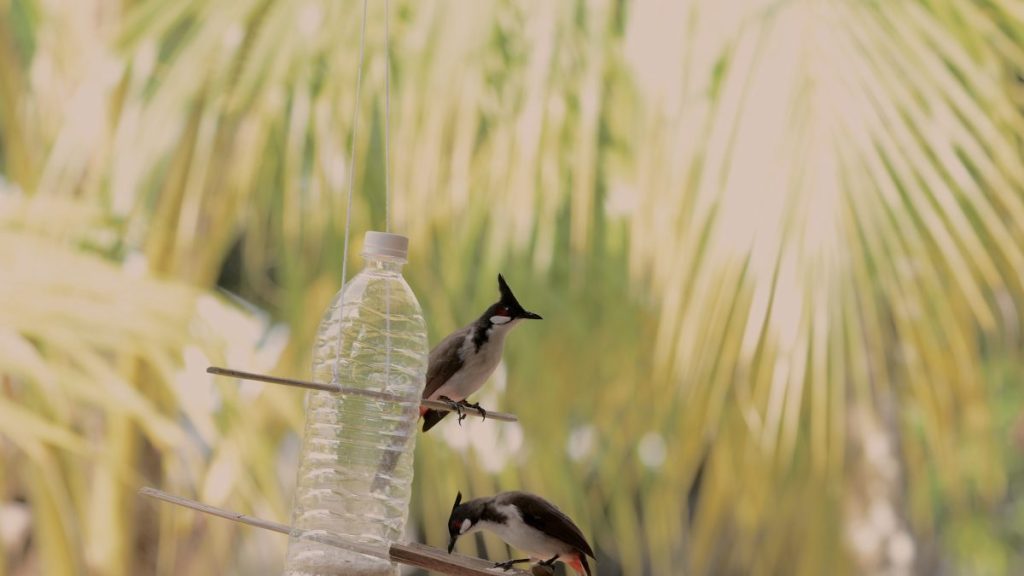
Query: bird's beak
[[451, 543], [532, 316]]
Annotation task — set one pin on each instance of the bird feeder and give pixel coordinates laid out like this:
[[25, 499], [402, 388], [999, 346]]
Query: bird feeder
[[358, 556], [409, 554]]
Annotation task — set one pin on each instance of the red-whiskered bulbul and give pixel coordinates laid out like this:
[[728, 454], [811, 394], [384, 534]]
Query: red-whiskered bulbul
[[461, 363], [526, 522]]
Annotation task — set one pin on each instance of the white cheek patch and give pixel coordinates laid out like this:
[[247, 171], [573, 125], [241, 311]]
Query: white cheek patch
[[465, 526], [499, 320]]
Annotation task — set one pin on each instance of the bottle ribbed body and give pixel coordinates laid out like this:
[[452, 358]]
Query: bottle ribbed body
[[356, 465]]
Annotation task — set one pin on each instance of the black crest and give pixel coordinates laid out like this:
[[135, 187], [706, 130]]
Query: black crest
[[458, 500], [507, 297], [509, 301]]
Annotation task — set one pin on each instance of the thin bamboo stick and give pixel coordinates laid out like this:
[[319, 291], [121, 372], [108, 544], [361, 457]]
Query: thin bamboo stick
[[431, 404], [418, 555]]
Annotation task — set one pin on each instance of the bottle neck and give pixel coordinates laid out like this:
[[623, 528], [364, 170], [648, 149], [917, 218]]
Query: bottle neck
[[383, 265]]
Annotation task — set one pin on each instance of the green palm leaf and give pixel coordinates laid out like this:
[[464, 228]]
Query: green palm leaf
[[781, 242]]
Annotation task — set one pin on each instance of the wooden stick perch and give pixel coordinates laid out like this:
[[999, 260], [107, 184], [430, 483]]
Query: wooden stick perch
[[411, 554], [432, 404]]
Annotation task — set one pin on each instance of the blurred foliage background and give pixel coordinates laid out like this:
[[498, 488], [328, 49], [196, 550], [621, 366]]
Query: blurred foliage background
[[778, 247]]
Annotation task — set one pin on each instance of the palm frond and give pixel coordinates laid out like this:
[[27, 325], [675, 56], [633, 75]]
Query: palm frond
[[781, 241]]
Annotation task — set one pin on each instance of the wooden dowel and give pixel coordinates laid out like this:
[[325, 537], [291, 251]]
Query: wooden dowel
[[418, 555], [300, 383], [431, 404], [207, 509], [437, 560]]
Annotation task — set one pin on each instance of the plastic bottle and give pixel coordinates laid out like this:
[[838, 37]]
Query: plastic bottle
[[351, 438]]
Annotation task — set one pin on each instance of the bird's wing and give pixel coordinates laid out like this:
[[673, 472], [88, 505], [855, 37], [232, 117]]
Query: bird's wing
[[444, 361], [546, 517]]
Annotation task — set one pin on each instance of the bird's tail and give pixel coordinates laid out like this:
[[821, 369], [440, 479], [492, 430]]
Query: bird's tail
[[393, 452], [383, 476], [432, 417]]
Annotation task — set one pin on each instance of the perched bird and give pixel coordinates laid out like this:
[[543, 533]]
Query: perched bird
[[461, 363], [526, 522]]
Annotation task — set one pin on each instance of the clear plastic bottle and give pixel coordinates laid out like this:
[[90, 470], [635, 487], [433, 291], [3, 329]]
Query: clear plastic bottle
[[356, 466]]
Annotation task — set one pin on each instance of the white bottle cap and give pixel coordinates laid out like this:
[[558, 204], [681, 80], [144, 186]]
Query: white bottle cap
[[385, 244]]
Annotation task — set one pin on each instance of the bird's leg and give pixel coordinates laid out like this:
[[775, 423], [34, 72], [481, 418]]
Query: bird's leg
[[509, 564], [456, 406], [483, 413], [549, 562]]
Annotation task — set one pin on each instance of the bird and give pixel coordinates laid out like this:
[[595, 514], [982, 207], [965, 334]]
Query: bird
[[526, 522], [460, 364]]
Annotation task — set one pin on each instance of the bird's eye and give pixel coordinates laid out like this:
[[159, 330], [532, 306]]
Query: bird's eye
[[502, 315]]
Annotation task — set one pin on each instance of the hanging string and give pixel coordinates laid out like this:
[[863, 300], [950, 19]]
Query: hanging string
[[387, 117], [351, 185], [387, 183]]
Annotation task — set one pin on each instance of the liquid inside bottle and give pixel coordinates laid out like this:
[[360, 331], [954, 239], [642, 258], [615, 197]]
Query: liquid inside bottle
[[356, 465]]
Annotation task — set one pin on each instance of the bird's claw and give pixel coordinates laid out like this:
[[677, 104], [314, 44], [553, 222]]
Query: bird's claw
[[510, 564], [455, 406], [549, 562], [476, 406]]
